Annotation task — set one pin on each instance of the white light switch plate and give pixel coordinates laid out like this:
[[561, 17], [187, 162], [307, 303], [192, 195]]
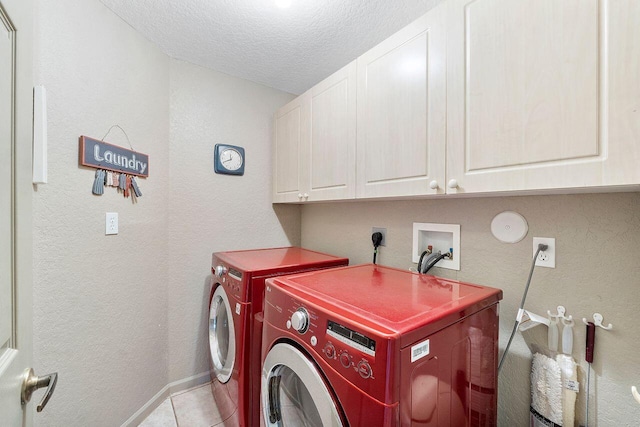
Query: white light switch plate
[[111, 223]]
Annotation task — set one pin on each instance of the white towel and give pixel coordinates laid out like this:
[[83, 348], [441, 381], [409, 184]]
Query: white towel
[[546, 389], [569, 388]]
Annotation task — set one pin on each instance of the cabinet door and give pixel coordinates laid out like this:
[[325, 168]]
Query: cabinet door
[[401, 112], [290, 139], [332, 152], [542, 94]]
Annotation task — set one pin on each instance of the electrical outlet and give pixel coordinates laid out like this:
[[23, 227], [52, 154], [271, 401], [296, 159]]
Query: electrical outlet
[[111, 223], [384, 234], [545, 258]]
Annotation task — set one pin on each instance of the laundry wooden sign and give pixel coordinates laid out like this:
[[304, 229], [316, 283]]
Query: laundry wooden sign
[[101, 155]]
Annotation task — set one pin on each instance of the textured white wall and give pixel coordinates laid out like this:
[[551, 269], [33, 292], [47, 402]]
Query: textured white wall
[[211, 212], [100, 302], [598, 247], [120, 317]]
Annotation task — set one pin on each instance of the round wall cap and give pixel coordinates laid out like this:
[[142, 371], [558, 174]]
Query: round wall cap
[[509, 227]]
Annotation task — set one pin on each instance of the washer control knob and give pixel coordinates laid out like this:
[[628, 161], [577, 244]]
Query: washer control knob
[[314, 341], [300, 320], [364, 369], [345, 360], [221, 270], [330, 351]]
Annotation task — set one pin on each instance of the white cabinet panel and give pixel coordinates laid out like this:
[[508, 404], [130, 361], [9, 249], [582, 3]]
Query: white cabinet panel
[[529, 97], [401, 112], [333, 137], [314, 142], [290, 136], [621, 114]]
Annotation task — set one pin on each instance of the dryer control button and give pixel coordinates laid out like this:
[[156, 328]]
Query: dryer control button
[[330, 351], [288, 324], [314, 341], [345, 360], [364, 369], [300, 320], [221, 270]]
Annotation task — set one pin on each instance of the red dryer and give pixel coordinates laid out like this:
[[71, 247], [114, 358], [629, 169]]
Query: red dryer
[[236, 296], [377, 346]]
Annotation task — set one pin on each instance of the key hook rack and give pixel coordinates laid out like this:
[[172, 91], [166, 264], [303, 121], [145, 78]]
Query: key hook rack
[[597, 320]]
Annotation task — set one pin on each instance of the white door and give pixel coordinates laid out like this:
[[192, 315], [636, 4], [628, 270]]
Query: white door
[[16, 83]]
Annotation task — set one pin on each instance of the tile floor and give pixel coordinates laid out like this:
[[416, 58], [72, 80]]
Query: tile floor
[[190, 408]]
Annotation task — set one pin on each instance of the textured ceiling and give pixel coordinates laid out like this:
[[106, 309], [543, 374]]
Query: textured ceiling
[[288, 49]]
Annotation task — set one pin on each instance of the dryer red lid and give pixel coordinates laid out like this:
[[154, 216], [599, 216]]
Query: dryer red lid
[[397, 300], [262, 260]]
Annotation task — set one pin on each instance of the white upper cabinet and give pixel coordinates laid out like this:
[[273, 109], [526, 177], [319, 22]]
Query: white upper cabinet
[[314, 143], [401, 112], [332, 154], [290, 139], [477, 96], [542, 94], [621, 114]]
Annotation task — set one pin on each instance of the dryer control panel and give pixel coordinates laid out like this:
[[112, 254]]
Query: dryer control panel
[[351, 338], [230, 278], [349, 351], [355, 340], [352, 351]]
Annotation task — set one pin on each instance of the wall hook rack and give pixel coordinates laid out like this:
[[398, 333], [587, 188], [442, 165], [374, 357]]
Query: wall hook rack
[[597, 320], [634, 392], [561, 315]]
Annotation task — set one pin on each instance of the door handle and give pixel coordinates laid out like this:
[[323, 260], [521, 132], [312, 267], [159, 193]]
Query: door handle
[[31, 383]]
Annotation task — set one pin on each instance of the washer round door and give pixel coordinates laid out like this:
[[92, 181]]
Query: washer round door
[[222, 341], [293, 391]]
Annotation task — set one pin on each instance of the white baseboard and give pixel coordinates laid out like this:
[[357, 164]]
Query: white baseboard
[[166, 391]]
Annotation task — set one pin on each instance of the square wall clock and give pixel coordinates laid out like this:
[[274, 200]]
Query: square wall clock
[[228, 159]]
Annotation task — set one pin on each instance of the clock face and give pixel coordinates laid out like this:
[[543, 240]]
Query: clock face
[[231, 159]]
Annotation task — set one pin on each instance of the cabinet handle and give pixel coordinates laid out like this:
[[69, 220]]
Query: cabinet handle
[[299, 195], [433, 184], [306, 196], [453, 183]]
